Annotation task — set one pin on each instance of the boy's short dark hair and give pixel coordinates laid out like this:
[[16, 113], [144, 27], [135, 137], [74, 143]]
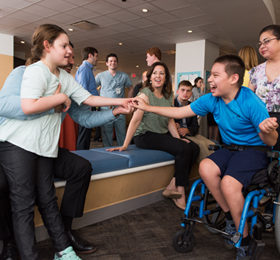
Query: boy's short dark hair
[[233, 65], [185, 83], [88, 50], [154, 51], [112, 55]]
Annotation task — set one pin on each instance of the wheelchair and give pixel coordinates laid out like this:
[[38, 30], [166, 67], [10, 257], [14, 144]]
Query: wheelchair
[[202, 208]]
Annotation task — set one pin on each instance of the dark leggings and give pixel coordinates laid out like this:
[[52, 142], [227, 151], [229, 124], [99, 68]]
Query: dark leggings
[[185, 153], [30, 178]]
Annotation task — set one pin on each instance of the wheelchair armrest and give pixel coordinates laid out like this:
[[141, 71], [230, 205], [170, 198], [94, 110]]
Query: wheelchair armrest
[[273, 154], [214, 147]]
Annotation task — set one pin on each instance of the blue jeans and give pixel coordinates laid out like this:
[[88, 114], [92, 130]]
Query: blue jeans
[[107, 131]]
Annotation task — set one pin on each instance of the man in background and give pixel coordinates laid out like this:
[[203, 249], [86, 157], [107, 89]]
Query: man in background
[[85, 77], [153, 55], [113, 84]]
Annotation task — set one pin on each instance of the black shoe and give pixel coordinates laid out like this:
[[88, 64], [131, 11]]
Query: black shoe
[[80, 245], [9, 251]]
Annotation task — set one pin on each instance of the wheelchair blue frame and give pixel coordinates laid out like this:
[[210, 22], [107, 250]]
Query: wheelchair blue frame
[[249, 210]]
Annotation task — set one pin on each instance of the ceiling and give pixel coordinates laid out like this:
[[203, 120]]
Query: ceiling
[[230, 24]]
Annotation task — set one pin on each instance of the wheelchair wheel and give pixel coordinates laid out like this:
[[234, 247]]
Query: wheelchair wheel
[[183, 241], [214, 221], [277, 225]]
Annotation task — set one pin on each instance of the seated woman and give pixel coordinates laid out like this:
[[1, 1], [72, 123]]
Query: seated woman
[[151, 131]]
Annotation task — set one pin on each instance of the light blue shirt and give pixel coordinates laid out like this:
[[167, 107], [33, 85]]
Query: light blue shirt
[[85, 77], [10, 105], [113, 86], [239, 120], [41, 135]]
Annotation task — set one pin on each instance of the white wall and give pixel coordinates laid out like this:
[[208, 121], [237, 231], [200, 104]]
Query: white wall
[[7, 44], [190, 57]]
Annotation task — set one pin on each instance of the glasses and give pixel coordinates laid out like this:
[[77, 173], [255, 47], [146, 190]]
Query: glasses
[[265, 42]]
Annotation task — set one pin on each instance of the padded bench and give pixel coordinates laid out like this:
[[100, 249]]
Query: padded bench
[[107, 164], [122, 181]]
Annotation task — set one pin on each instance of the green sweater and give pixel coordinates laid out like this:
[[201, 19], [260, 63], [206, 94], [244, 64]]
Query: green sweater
[[152, 122]]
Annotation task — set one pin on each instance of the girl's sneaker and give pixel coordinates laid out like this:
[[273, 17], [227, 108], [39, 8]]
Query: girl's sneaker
[[66, 254]]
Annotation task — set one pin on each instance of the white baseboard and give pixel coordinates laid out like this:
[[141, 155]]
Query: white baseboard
[[106, 213]]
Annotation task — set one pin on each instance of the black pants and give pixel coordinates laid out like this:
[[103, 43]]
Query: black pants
[[83, 140], [185, 153], [6, 224], [76, 171]]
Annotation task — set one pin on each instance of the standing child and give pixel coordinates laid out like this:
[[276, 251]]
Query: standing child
[[244, 122], [28, 148]]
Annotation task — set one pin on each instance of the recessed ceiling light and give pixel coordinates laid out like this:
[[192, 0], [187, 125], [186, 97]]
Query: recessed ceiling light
[[145, 10], [189, 31], [22, 42], [120, 43], [70, 29], [137, 66]]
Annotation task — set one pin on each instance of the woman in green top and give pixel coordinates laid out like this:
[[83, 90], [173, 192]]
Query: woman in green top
[[152, 131]]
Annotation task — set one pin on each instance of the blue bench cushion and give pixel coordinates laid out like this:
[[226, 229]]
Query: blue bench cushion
[[139, 157], [103, 162]]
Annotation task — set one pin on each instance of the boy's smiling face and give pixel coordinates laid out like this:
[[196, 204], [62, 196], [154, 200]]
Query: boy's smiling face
[[221, 84]]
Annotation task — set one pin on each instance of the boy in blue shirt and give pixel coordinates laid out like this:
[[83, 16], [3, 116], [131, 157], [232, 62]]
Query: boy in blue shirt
[[243, 121]]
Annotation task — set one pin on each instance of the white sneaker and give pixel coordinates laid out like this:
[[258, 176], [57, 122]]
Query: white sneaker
[[67, 254]]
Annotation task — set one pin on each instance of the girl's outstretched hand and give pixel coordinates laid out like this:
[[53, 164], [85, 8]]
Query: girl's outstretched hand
[[120, 149]]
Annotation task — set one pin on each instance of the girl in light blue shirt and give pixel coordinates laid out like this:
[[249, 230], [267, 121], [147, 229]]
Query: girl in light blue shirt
[[27, 148]]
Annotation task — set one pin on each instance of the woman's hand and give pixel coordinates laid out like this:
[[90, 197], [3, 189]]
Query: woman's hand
[[120, 149], [186, 140]]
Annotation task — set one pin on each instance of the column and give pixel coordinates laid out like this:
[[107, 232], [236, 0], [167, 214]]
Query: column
[[195, 59], [6, 56]]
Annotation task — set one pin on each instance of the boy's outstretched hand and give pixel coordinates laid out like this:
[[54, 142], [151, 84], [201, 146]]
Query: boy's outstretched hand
[[268, 125], [140, 103]]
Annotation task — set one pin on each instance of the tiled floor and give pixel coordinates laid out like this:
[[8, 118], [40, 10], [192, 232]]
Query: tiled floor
[[147, 233]]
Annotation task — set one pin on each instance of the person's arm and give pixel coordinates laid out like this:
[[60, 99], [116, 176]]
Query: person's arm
[[90, 119], [32, 106], [171, 112], [268, 132], [172, 128], [10, 104], [133, 125], [97, 101], [130, 92]]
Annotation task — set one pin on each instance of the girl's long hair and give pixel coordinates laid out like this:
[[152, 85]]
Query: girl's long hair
[[42, 33]]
